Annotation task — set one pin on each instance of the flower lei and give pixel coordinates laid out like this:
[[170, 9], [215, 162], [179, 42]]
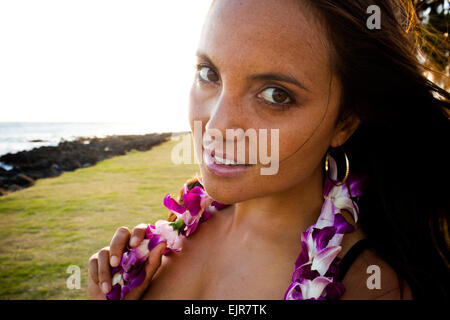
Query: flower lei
[[198, 207], [316, 267]]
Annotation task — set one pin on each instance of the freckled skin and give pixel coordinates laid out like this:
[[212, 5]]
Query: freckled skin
[[248, 250], [247, 38]]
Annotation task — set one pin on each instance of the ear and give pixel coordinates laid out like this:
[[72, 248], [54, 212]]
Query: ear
[[344, 129]]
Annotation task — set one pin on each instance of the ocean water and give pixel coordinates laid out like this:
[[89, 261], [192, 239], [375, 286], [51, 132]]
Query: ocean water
[[19, 136]]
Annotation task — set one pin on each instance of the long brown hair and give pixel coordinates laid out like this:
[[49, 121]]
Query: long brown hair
[[402, 142]]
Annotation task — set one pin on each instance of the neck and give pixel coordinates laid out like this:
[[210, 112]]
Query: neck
[[280, 216]]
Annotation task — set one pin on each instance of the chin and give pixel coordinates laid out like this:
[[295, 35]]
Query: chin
[[226, 190]]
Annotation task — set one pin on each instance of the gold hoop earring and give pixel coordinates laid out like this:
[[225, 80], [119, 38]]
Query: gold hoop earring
[[347, 170]]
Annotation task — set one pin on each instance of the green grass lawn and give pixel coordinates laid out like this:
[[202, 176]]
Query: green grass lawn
[[62, 221]]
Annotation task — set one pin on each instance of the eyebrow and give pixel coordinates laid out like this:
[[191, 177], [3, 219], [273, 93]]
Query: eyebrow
[[273, 76], [205, 57], [269, 76]]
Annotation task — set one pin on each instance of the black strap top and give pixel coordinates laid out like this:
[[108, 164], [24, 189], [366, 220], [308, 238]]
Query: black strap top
[[350, 257]]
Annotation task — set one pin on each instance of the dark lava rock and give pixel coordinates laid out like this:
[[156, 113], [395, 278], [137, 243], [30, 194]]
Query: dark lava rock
[[14, 187], [45, 162], [23, 180]]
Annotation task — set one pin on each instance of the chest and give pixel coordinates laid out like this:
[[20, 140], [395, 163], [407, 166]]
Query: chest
[[212, 266]]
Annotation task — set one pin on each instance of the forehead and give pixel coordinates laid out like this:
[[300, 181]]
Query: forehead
[[274, 34]]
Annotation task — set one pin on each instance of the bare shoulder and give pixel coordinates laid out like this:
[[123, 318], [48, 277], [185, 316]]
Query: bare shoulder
[[371, 278]]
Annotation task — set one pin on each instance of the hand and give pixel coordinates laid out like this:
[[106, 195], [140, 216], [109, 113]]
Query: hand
[[100, 282]]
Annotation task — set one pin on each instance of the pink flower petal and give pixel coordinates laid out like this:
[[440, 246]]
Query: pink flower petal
[[326, 218], [313, 289], [323, 259], [293, 292], [173, 206]]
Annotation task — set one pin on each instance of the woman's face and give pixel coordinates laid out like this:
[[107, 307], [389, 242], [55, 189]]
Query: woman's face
[[265, 64]]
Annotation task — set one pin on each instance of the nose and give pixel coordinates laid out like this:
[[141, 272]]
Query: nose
[[225, 113]]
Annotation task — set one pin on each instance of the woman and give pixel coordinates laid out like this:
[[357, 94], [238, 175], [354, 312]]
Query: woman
[[330, 85]]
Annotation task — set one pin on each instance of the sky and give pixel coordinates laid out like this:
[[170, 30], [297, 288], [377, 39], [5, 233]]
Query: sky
[[99, 60]]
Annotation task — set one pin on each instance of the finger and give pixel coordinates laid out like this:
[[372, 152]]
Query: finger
[[138, 234], [93, 268], [94, 291], [118, 244], [104, 270], [154, 259], [151, 266]]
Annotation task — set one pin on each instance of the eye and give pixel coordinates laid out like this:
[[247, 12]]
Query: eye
[[207, 74], [275, 96]]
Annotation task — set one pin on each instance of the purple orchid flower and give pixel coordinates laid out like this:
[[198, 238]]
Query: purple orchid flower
[[316, 254], [308, 289], [340, 197], [334, 290], [131, 272], [198, 207], [195, 201], [165, 230]]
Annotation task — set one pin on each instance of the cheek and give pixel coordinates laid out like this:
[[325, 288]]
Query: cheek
[[302, 143], [197, 113], [305, 134], [194, 109]]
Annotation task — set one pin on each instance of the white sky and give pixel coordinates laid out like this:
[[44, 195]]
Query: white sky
[[99, 60]]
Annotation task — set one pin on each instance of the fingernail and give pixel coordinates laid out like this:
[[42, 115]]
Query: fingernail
[[105, 287], [114, 261], [134, 241]]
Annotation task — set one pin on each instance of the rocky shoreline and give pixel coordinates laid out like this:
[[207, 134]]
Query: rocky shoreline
[[44, 162]]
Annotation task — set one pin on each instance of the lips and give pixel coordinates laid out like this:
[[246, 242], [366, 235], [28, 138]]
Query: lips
[[222, 159], [221, 166]]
